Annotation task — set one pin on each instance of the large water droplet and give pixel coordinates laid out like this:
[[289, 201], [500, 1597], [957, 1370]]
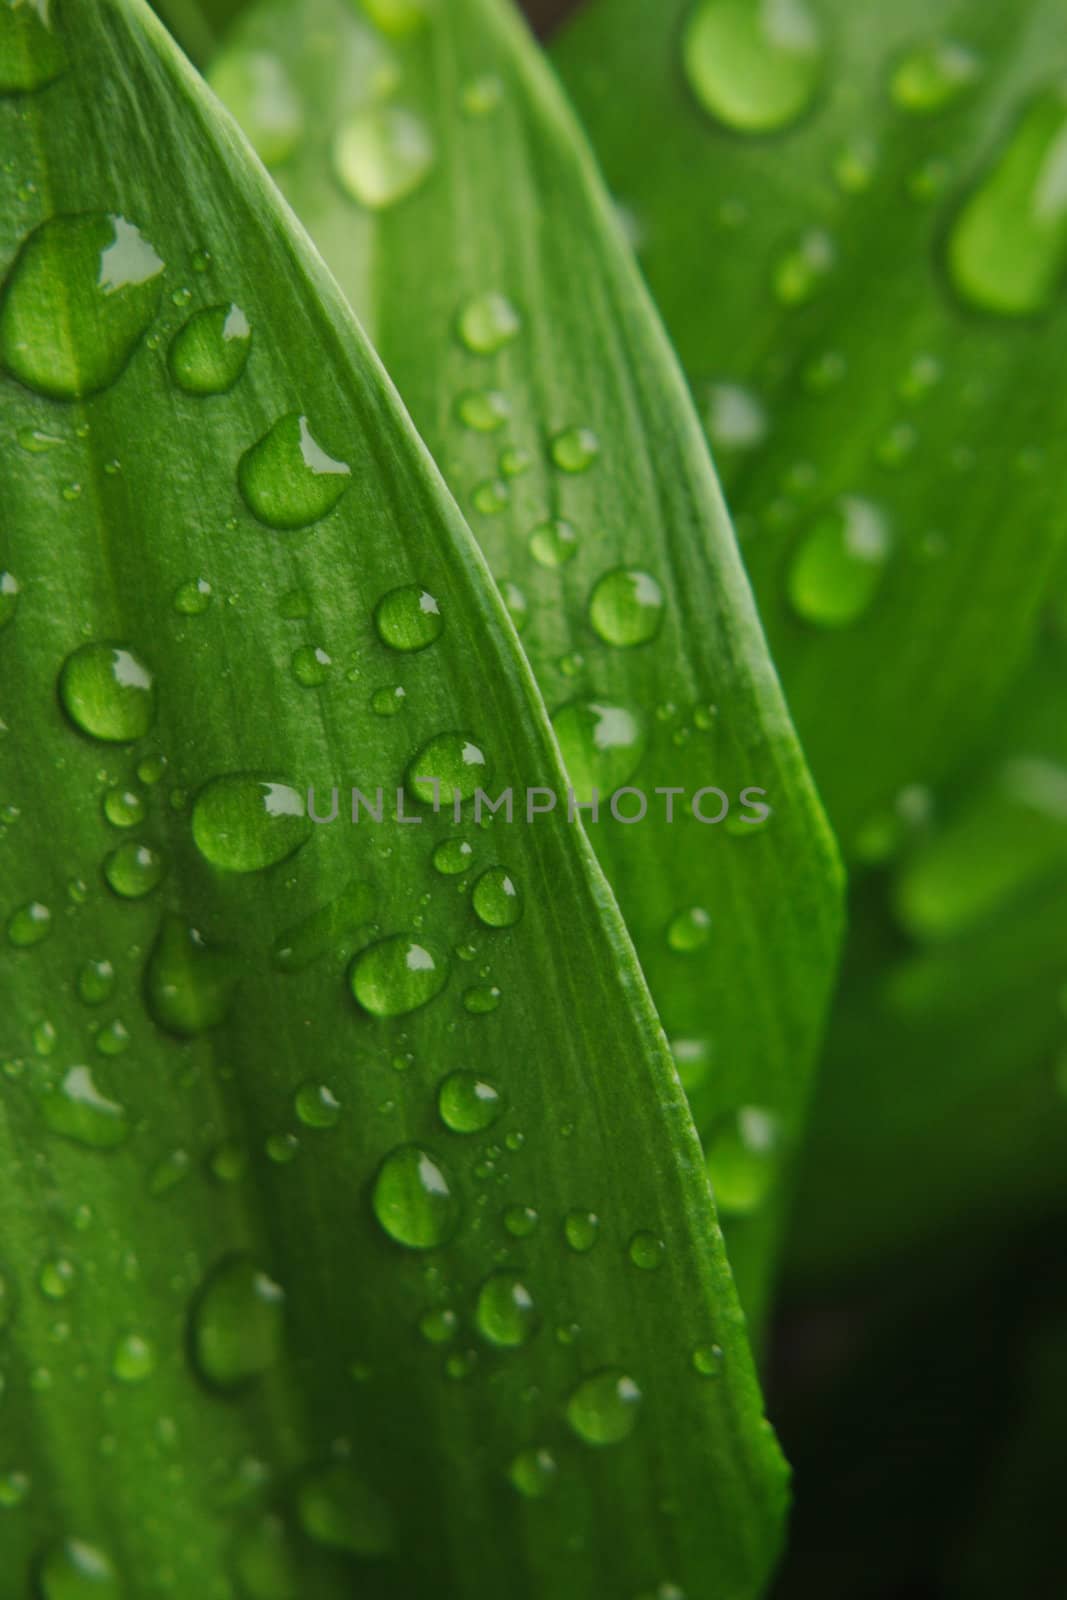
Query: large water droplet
[[74, 1570], [414, 1200], [257, 89], [603, 1408], [287, 479], [338, 1509], [483, 410], [602, 746], [742, 1160], [408, 618], [689, 930], [735, 418], [79, 1110], [838, 566], [82, 291], [133, 1359], [398, 975], [533, 1472], [381, 154], [243, 822], [553, 543], [505, 1312], [496, 898], [468, 1103], [626, 607], [208, 355], [453, 856], [753, 64], [575, 449], [932, 75], [134, 870], [488, 323], [237, 1323], [29, 924], [188, 984], [1007, 251], [449, 768], [316, 1105], [580, 1229], [324, 929], [107, 691]]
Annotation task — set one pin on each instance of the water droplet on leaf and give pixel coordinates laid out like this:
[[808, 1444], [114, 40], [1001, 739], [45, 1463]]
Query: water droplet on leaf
[[398, 975], [245, 823], [237, 1323], [209, 354], [468, 1103], [626, 607], [414, 1200], [107, 691], [408, 618], [382, 154], [488, 323], [505, 1312], [754, 65], [287, 479], [603, 1408], [839, 565]]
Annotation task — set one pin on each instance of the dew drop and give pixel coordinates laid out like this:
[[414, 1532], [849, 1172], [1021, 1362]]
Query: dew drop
[[438, 1325], [602, 746], [96, 982], [481, 999], [257, 89], [413, 1198], [646, 1251], [56, 1278], [933, 75], [838, 566], [78, 1109], [483, 410], [237, 1323], [298, 947], [603, 1408], [754, 65], [491, 498], [316, 1106], [580, 1229], [31, 54], [398, 975], [575, 449], [107, 691], [453, 856], [533, 1472], [310, 666], [134, 870], [448, 768], [518, 607], [408, 618], [488, 323], [208, 355], [74, 1570], [81, 293], [29, 924], [689, 930], [124, 808], [735, 418], [553, 543], [382, 154], [467, 1103], [707, 1360], [804, 268], [287, 479], [481, 96], [14, 1487], [521, 1221], [505, 1313], [9, 597], [496, 899], [245, 823], [626, 607], [189, 984], [338, 1509], [133, 1359], [742, 1160], [387, 702], [168, 1172], [1007, 250], [113, 1039]]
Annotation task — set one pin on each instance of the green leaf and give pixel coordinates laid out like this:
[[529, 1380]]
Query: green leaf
[[447, 186], [854, 230], [287, 1305]]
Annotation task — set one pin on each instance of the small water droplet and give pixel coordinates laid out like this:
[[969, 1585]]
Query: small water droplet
[[382, 154], [514, 462], [837, 568], [602, 745], [113, 1038], [804, 268], [281, 1148], [14, 1488], [209, 354], [133, 1359], [580, 1229], [80, 295], [78, 1109], [1008, 246], [481, 999], [518, 606], [453, 856], [316, 1105], [56, 1278], [237, 1322], [439, 1325], [107, 691], [29, 924], [933, 75], [96, 982], [398, 18], [480, 96], [626, 607], [496, 898], [575, 449], [647, 1251], [414, 1200], [521, 1221], [397, 975], [124, 808], [603, 1408], [74, 1570], [9, 597], [707, 1360], [189, 984], [690, 930], [742, 1160], [488, 323], [467, 1103], [854, 166], [491, 498], [257, 89], [735, 418], [408, 618], [338, 1509], [448, 768], [169, 1171], [244, 823], [37, 442], [483, 410], [553, 543], [310, 666], [388, 702], [754, 65], [134, 870], [505, 1311], [533, 1472], [287, 479]]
